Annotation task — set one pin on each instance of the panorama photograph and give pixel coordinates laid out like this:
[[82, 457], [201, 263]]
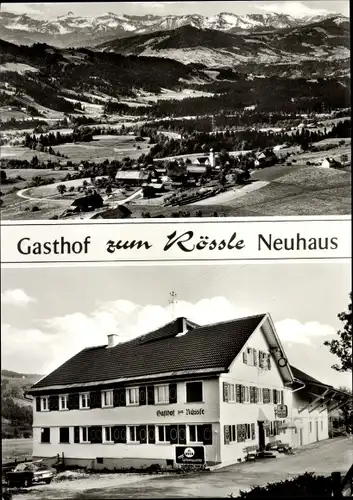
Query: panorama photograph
[[178, 109], [211, 383]]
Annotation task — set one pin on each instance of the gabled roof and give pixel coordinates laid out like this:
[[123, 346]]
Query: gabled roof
[[131, 174], [201, 349], [307, 379]]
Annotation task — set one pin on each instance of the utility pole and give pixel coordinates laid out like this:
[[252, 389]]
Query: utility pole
[[173, 301]]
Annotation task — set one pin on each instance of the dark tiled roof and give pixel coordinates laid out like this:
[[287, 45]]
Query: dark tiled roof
[[304, 377], [161, 351]]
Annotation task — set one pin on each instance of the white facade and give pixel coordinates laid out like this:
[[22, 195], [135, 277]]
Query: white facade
[[229, 425]]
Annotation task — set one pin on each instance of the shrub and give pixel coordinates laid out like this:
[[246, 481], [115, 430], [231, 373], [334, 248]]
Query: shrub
[[305, 485], [35, 208]]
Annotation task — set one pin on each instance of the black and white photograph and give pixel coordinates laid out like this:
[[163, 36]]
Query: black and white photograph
[[177, 381], [178, 109]]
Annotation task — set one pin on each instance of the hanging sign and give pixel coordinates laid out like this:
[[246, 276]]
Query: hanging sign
[[281, 411]]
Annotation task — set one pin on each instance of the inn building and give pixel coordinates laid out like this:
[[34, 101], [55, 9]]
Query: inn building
[[209, 391]]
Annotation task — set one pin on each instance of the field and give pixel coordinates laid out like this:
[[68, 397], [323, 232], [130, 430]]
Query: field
[[12, 449]]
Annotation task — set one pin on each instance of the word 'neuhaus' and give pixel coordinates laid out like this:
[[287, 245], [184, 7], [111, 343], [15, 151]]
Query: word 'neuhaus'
[[296, 243]]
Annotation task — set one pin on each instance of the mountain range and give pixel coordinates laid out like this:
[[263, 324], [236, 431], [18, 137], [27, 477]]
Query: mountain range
[[74, 31], [323, 40]]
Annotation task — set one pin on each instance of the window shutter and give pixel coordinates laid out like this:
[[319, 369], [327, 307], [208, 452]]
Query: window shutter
[[38, 403], [226, 434], [173, 432], [167, 432], [151, 434], [95, 434], [53, 403], [252, 394], [255, 357], [119, 434], [150, 395], [225, 392], [237, 393], [239, 433], [274, 396], [256, 395], [73, 401], [282, 397], [267, 432], [119, 396], [269, 361], [182, 434], [95, 398], [89, 434], [252, 431], [173, 397], [261, 359], [142, 434], [142, 396], [245, 357], [207, 434], [242, 394], [76, 434]]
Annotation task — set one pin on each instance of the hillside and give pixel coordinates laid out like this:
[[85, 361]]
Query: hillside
[[74, 31], [16, 409], [49, 76], [327, 40]]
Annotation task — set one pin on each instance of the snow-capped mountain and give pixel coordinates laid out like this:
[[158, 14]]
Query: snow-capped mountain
[[70, 30]]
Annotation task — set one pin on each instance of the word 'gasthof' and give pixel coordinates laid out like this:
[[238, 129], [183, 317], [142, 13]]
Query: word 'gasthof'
[[188, 242], [59, 246]]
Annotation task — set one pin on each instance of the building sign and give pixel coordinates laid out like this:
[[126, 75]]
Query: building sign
[[190, 455], [173, 413], [281, 411]]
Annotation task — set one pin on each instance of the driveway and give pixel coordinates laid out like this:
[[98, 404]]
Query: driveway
[[321, 458]]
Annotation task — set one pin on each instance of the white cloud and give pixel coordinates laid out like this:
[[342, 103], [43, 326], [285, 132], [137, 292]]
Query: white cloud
[[33, 10], [57, 339], [293, 331], [294, 9], [16, 297]]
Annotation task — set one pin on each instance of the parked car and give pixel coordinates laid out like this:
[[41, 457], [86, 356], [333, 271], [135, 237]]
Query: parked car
[[26, 474]]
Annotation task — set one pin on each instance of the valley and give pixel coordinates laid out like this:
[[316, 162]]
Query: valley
[[188, 117]]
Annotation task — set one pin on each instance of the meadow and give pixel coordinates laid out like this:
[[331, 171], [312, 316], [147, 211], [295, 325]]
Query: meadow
[[12, 449]]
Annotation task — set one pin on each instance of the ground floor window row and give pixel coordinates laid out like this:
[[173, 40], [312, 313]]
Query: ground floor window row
[[237, 393], [240, 433], [142, 434]]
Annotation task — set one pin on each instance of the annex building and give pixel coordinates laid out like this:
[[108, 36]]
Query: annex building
[[181, 394]]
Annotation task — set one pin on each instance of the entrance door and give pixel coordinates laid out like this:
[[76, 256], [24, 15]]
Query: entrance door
[[261, 435]]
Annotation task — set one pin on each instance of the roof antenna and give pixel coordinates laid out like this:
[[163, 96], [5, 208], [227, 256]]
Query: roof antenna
[[172, 302]]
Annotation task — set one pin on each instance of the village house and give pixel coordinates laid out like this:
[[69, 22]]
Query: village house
[[183, 393], [133, 177], [330, 163]]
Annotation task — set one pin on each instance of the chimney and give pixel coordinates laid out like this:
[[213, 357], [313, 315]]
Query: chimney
[[112, 340], [181, 326]]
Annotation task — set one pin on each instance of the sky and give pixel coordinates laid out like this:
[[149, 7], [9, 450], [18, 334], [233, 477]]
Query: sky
[[50, 314], [207, 8]]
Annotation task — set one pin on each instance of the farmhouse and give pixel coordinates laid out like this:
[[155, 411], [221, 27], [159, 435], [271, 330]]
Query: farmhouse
[[216, 389], [86, 203], [133, 177], [330, 163]]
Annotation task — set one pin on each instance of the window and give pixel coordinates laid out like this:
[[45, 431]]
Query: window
[[108, 435], [246, 395], [107, 399], [259, 395], [133, 396], [162, 394], [132, 435], [162, 434], [245, 358], [194, 392], [231, 393], [84, 437], [84, 400], [45, 435], [64, 435], [63, 401], [266, 395], [44, 403], [196, 433]]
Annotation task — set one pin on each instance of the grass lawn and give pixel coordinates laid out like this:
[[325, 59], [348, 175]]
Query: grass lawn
[[15, 448]]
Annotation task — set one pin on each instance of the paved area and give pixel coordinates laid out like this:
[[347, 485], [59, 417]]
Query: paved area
[[320, 458]]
